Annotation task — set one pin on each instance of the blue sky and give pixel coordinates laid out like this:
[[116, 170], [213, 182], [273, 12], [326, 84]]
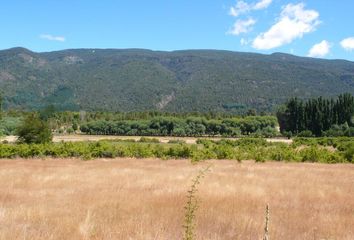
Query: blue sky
[[316, 28]]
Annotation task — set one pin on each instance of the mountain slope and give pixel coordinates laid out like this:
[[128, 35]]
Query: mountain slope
[[136, 79]]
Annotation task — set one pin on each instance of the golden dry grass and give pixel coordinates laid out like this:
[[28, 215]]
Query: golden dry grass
[[145, 198]]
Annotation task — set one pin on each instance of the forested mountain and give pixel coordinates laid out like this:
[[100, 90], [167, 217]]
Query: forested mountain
[[136, 79]]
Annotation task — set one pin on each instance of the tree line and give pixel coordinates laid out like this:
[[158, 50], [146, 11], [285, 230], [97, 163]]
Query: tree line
[[190, 126], [318, 116]]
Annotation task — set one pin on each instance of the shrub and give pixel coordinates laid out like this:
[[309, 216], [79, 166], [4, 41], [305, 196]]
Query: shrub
[[75, 126], [306, 133], [349, 132], [317, 154], [224, 152], [225, 149], [311, 154], [348, 151], [304, 141], [282, 153], [34, 130], [176, 141], [8, 125], [269, 132], [70, 130], [288, 135], [205, 142]]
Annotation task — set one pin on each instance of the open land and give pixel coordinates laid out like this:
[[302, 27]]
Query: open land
[[128, 198]]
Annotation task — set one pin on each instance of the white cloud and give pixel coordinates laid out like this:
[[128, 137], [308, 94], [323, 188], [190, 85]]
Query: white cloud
[[242, 26], [244, 42], [262, 4], [348, 43], [242, 7], [293, 23], [52, 38], [320, 49], [239, 8]]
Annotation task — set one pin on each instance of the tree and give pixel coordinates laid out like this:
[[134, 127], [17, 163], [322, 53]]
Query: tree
[[75, 126], [34, 130], [251, 112], [47, 112], [317, 115]]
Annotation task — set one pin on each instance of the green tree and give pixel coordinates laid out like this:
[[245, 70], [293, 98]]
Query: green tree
[[47, 112], [34, 130], [251, 112], [317, 115], [75, 126]]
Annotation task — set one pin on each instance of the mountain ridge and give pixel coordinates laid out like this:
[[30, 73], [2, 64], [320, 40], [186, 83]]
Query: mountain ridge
[[182, 80], [174, 51]]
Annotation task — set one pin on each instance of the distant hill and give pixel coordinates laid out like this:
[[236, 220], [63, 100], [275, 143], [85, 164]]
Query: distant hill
[[193, 80]]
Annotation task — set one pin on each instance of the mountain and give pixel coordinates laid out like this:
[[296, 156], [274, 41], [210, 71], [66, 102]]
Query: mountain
[[190, 80]]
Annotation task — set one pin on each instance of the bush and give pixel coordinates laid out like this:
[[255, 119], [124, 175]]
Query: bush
[[224, 152], [75, 126], [8, 125], [311, 154], [70, 130], [304, 141], [34, 130], [288, 135], [283, 153], [348, 151], [316, 154], [177, 141], [349, 132], [306, 133], [269, 132]]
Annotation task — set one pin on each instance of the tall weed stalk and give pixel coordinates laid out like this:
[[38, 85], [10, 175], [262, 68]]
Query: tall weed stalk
[[192, 206]]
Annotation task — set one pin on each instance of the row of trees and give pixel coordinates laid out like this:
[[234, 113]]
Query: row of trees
[[191, 126], [317, 115], [88, 116], [64, 119]]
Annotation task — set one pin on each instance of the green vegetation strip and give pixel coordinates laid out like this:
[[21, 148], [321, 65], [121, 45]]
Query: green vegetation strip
[[255, 126], [342, 150]]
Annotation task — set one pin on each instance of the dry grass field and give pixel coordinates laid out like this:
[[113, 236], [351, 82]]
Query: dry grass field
[[144, 199]]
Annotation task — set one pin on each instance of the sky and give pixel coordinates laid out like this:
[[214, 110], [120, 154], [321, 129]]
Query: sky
[[313, 28]]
